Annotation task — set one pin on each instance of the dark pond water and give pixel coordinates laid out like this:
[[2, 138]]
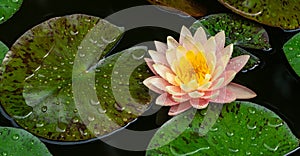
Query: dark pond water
[[277, 85]]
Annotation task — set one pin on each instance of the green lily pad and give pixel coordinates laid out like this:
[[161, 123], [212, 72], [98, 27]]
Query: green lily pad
[[243, 128], [240, 32], [3, 50], [292, 52], [276, 13], [14, 141], [8, 8], [53, 85], [190, 7]]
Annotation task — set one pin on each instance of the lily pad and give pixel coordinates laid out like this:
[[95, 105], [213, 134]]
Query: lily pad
[[52, 84], [190, 7], [292, 52], [14, 141], [3, 50], [8, 8], [276, 13], [240, 32], [243, 128]]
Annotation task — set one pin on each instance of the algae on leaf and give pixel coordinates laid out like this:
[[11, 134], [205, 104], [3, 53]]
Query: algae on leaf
[[243, 128]]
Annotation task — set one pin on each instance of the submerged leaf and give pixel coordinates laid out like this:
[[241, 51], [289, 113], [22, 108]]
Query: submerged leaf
[[190, 7], [292, 52], [242, 33], [8, 8], [277, 13], [53, 85], [3, 50], [14, 141], [243, 128]]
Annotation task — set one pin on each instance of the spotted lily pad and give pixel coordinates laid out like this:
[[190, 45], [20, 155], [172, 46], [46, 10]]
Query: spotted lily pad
[[14, 141], [8, 8], [277, 13], [242, 33], [53, 80], [292, 51], [243, 128], [3, 50], [190, 7]]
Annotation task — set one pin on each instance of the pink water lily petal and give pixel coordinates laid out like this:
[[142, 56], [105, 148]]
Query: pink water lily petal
[[165, 100], [200, 36], [159, 82], [150, 63], [161, 70], [180, 52], [237, 63], [161, 47], [226, 77], [175, 90], [189, 44], [191, 86], [158, 58], [147, 83], [181, 98], [171, 78], [199, 103], [184, 32], [171, 57], [177, 109], [223, 58], [196, 94], [211, 94], [225, 96], [220, 40], [241, 92], [172, 43], [204, 86], [210, 45]]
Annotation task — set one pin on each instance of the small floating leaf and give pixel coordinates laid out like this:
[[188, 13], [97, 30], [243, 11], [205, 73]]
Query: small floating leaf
[[190, 7], [14, 141], [242, 33], [3, 50], [8, 8], [277, 13], [292, 52], [54, 82], [243, 128]]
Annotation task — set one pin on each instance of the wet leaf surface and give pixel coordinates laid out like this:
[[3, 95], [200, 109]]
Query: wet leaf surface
[[14, 141], [8, 8], [277, 13], [53, 82], [292, 52], [191, 7], [242, 33], [256, 131], [3, 50]]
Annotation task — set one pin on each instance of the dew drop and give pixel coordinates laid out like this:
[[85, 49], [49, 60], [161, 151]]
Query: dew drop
[[93, 41], [275, 122], [116, 72], [230, 134], [251, 126], [213, 129], [15, 1], [75, 119], [233, 150], [94, 102], [298, 55], [39, 124], [4, 154], [105, 86], [44, 109], [75, 110], [203, 112], [291, 48], [91, 118], [138, 55], [251, 110], [107, 40], [61, 127], [55, 68], [81, 55], [71, 62], [2, 18], [74, 32], [101, 111], [104, 75], [248, 153], [271, 148], [16, 137], [96, 132], [118, 107]]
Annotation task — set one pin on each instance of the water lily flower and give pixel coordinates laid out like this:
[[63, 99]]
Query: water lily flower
[[195, 71]]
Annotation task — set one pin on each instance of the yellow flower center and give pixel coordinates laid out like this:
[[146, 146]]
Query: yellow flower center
[[193, 67]]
